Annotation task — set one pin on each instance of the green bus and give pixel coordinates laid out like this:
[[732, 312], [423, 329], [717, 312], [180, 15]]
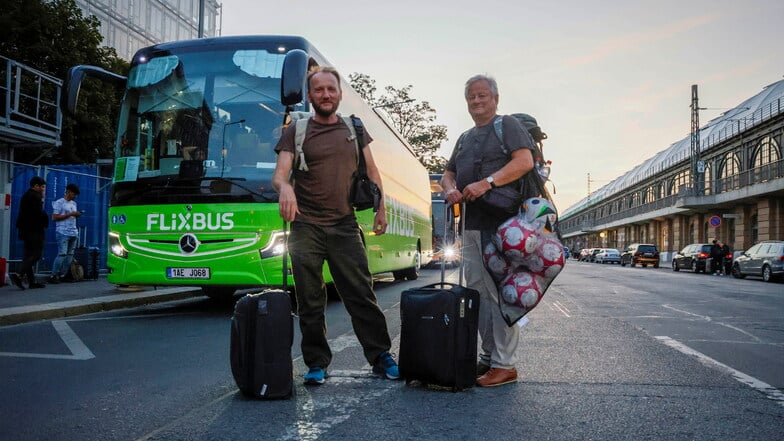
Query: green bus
[[191, 199]]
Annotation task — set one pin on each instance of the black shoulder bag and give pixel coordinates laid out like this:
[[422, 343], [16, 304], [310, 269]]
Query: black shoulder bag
[[364, 192], [504, 200]]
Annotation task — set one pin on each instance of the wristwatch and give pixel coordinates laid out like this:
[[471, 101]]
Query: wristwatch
[[490, 181]]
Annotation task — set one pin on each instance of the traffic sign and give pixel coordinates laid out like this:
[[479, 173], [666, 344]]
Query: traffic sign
[[715, 221]]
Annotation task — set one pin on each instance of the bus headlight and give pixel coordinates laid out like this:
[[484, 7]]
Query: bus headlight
[[276, 245], [115, 247], [449, 252]]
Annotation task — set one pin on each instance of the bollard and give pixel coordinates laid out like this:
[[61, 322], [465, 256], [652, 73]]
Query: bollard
[[3, 272]]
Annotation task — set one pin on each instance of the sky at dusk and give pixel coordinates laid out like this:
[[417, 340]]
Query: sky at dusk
[[609, 81]]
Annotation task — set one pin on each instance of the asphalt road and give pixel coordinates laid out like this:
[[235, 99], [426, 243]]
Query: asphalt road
[[610, 354]]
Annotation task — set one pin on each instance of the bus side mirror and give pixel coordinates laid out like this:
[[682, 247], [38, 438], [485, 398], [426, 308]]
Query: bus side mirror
[[292, 84], [74, 79]]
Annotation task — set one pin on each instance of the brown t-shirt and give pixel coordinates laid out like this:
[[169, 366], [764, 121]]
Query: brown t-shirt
[[323, 191]]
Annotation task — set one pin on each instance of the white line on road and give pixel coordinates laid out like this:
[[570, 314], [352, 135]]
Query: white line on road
[[560, 307], [709, 319], [79, 351], [769, 391]]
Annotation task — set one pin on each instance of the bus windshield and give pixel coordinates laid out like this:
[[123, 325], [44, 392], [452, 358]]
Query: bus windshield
[[200, 124]]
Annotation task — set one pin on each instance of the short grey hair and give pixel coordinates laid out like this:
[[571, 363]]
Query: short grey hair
[[490, 80]]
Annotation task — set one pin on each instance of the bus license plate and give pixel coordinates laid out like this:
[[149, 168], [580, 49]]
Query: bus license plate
[[187, 273]]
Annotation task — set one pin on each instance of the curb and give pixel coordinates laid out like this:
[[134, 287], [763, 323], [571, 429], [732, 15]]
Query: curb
[[23, 314]]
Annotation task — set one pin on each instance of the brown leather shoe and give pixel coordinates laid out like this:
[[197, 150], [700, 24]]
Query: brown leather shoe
[[497, 377], [481, 369]]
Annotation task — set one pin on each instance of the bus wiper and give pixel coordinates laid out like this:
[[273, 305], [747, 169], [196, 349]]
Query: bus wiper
[[232, 181]]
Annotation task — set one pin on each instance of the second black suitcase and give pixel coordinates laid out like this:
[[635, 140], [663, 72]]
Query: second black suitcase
[[438, 335], [439, 326], [262, 333]]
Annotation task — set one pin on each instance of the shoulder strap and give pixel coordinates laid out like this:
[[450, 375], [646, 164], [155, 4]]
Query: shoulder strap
[[460, 140], [357, 130], [498, 125], [300, 129]]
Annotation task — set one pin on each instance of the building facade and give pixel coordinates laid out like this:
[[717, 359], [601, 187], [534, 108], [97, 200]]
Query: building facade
[[129, 25], [731, 190]]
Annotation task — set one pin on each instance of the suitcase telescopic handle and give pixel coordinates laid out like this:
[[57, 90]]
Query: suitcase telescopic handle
[[450, 210], [438, 285]]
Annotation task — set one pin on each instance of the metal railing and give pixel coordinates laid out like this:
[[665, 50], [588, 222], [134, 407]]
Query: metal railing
[[758, 175], [29, 103]]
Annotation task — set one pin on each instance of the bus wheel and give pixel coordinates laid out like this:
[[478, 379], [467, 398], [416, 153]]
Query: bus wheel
[[413, 272], [220, 294]]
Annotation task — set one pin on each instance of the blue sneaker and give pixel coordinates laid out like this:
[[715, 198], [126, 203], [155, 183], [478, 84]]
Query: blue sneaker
[[386, 366], [315, 376]]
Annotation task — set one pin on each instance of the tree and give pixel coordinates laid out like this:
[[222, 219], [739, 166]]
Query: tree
[[52, 36], [415, 121]]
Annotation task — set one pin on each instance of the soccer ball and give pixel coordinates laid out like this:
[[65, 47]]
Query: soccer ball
[[495, 262], [552, 255], [521, 289], [539, 212], [516, 239]]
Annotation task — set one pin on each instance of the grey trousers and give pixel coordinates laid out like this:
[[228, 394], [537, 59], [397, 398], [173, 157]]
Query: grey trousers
[[499, 341]]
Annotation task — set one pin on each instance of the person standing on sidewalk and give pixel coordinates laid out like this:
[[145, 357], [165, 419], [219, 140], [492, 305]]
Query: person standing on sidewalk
[[31, 222], [477, 165], [65, 213], [324, 227]]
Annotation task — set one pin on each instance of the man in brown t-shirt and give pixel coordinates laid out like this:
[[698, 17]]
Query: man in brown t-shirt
[[324, 228]]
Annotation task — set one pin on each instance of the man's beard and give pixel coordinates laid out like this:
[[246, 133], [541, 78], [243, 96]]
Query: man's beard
[[320, 111]]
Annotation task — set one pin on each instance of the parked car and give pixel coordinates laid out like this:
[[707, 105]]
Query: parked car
[[607, 255], [585, 254], [765, 259], [640, 253], [566, 253], [694, 257], [594, 252]]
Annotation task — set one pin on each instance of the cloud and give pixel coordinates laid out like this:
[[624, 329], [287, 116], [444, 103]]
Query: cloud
[[625, 43]]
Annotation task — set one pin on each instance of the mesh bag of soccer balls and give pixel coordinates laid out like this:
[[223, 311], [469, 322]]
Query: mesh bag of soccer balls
[[524, 257]]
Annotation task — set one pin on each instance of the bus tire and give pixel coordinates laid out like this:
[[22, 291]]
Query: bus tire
[[220, 294], [413, 272]]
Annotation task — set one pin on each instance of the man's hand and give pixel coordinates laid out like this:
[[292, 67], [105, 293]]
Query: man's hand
[[287, 203], [380, 221]]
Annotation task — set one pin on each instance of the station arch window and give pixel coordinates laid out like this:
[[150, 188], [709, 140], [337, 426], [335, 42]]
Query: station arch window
[[767, 152]]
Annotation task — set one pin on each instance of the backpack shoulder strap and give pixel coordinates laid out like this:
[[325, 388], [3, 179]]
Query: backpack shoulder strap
[[350, 124], [300, 129], [498, 125], [460, 140]]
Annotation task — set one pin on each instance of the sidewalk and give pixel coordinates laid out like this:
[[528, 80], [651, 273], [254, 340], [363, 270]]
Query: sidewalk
[[87, 296]]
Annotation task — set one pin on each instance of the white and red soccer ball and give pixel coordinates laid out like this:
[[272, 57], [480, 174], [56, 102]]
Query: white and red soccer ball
[[496, 263], [521, 289], [516, 239]]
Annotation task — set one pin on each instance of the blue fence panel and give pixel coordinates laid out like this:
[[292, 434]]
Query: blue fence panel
[[93, 199]]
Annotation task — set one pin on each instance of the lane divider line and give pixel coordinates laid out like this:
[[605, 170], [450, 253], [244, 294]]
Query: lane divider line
[[759, 385]]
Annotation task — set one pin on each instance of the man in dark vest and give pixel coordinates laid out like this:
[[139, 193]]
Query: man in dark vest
[[31, 222]]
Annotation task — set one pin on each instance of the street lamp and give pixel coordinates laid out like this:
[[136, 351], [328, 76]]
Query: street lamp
[[223, 146]]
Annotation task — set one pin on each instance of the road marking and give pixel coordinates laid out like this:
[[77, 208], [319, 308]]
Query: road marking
[[341, 407], [79, 351], [709, 319], [769, 391], [560, 307]]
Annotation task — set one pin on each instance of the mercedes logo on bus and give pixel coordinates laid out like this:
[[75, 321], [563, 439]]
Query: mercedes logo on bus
[[188, 243]]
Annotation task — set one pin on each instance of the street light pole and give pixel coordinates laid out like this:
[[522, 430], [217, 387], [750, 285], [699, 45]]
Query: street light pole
[[224, 151]]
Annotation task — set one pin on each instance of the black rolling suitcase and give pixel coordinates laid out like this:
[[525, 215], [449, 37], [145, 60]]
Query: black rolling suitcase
[[438, 336], [262, 333]]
